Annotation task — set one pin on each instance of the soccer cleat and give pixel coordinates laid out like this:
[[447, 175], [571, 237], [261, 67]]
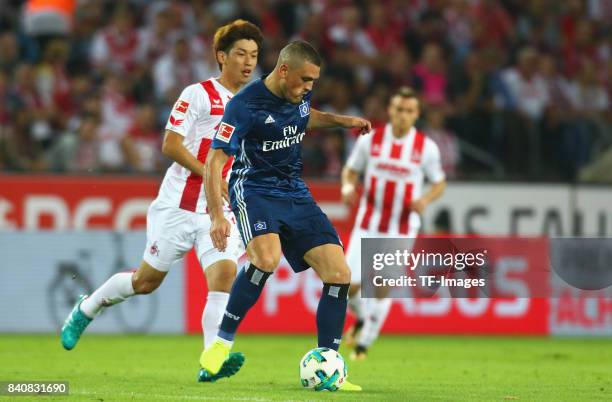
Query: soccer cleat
[[74, 325], [360, 353], [214, 356], [231, 366], [352, 333], [349, 386], [358, 356]]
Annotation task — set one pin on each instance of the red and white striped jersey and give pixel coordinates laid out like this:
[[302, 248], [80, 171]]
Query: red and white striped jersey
[[394, 172], [196, 116]]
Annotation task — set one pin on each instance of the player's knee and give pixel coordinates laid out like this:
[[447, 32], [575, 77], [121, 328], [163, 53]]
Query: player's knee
[[344, 275], [353, 289], [338, 275], [382, 292], [143, 286], [266, 263], [222, 281]]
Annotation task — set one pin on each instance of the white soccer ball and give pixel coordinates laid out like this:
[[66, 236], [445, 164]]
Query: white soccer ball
[[323, 369]]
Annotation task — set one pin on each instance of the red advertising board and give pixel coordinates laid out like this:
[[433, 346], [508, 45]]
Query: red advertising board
[[288, 304], [104, 202], [59, 203], [289, 301]]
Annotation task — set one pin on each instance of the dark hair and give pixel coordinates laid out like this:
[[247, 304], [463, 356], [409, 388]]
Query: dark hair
[[407, 93], [228, 34], [299, 51]]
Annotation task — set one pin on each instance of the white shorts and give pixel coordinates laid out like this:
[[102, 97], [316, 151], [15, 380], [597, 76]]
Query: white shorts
[[353, 253], [172, 232]]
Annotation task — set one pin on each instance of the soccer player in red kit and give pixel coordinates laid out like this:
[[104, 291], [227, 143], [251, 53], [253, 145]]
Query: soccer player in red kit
[[178, 219], [394, 160]]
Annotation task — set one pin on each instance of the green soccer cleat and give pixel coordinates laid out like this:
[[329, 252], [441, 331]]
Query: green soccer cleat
[[74, 325], [231, 366], [214, 357]]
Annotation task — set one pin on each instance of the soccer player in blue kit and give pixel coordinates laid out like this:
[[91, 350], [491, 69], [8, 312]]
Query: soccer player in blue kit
[[263, 127]]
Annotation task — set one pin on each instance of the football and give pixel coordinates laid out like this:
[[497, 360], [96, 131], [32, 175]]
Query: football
[[323, 369]]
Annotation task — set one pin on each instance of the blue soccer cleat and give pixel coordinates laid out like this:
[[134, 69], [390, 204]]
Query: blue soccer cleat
[[74, 325], [231, 366]]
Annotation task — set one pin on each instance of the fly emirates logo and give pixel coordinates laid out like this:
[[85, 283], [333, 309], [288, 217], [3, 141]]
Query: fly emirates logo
[[291, 137]]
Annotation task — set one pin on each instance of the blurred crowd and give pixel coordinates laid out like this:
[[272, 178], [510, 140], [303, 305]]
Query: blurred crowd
[[510, 89]]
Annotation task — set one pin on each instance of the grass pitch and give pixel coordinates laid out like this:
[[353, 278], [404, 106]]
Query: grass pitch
[[163, 368]]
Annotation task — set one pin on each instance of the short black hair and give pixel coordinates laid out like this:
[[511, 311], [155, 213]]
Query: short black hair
[[299, 51]]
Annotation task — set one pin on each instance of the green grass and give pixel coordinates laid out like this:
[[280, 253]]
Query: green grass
[[148, 368]]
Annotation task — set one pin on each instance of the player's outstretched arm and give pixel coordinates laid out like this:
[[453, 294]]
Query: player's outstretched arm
[[434, 193], [320, 119], [355, 165], [174, 149], [220, 228], [350, 178], [432, 167]]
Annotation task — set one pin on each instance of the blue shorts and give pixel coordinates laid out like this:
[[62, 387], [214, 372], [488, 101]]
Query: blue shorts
[[300, 224]]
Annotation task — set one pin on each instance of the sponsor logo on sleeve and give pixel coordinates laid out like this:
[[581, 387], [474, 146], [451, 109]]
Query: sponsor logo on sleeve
[[181, 106], [224, 133], [175, 122]]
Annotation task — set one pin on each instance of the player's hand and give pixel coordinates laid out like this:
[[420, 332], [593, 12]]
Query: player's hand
[[364, 126], [219, 232], [349, 194], [224, 191], [419, 205]]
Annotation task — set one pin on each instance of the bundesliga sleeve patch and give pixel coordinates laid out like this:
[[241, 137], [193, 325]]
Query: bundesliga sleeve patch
[[224, 133], [181, 106]]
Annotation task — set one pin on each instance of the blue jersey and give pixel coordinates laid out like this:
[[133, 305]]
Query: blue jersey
[[264, 133]]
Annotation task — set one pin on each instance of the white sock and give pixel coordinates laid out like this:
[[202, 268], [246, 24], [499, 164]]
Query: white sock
[[376, 314], [115, 290], [212, 315], [356, 304]]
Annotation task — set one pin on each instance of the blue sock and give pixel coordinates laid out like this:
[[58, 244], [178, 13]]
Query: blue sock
[[330, 314], [244, 294]]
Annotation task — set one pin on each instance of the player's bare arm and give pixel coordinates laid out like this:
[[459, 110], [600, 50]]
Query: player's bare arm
[[320, 119], [220, 228], [174, 149], [350, 178], [434, 193]]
